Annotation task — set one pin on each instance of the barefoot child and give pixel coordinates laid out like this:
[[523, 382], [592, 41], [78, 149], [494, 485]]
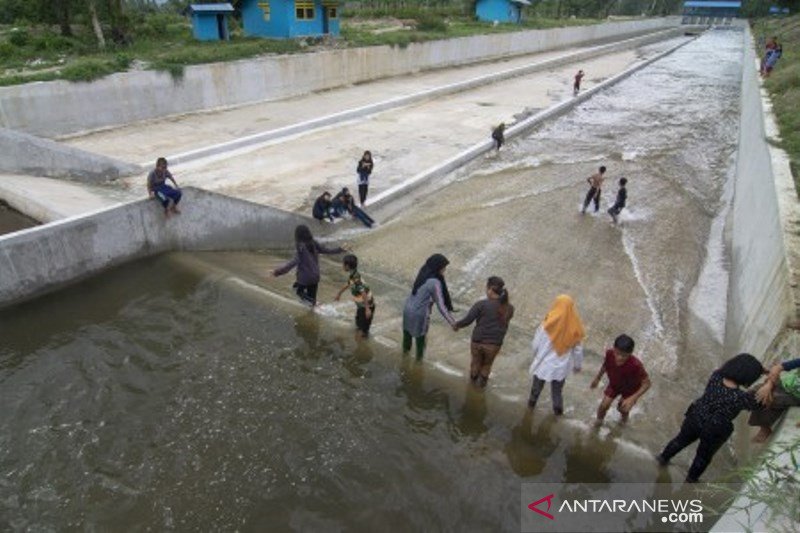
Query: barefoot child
[[626, 378], [595, 189], [306, 259], [157, 187], [498, 135], [710, 417], [362, 296], [576, 87], [492, 315], [619, 204]]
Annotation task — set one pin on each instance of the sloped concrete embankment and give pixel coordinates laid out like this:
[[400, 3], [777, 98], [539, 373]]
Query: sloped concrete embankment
[[26, 154], [59, 108], [763, 295], [41, 259]]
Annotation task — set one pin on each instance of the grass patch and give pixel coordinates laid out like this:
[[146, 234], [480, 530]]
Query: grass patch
[[783, 84]]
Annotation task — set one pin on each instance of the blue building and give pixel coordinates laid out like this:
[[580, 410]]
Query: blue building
[[500, 10], [713, 9], [210, 21], [290, 18]]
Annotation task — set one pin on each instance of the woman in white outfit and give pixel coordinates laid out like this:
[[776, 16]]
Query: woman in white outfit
[[557, 349]]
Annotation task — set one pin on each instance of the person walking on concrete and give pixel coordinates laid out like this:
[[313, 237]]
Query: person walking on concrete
[[430, 287], [364, 169], [576, 86], [557, 349], [595, 190], [710, 417], [306, 259], [157, 188], [492, 315], [619, 204], [498, 135]]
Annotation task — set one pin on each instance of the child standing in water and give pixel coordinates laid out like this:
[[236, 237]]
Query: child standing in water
[[157, 188], [492, 315], [626, 378], [362, 296], [710, 417], [556, 349], [619, 204], [576, 87], [429, 288], [595, 189], [498, 135], [306, 259]]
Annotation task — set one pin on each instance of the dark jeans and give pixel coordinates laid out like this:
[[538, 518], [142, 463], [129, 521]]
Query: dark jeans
[[615, 210], [593, 194], [362, 322], [556, 388], [362, 192], [407, 338], [712, 436], [307, 293]]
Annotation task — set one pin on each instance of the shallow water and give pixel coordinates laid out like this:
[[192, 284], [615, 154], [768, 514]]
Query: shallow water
[[190, 391]]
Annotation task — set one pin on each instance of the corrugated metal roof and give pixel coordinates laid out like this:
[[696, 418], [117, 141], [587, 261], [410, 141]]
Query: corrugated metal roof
[[697, 3], [211, 8]]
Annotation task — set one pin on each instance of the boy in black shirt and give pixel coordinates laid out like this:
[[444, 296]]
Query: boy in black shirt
[[622, 196]]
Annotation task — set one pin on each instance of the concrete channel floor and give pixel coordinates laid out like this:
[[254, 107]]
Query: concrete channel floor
[[290, 172]]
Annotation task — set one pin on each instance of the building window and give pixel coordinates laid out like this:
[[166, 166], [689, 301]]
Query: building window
[[333, 8], [304, 10], [265, 8], [332, 12]]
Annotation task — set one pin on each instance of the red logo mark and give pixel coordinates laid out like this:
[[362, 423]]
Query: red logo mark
[[549, 500]]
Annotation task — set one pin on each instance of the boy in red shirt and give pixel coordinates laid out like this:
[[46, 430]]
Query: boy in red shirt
[[626, 377]]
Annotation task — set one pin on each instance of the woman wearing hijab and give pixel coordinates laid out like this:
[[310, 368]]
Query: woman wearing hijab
[[556, 349], [429, 287]]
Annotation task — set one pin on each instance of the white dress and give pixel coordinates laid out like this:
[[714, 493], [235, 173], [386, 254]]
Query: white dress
[[547, 365]]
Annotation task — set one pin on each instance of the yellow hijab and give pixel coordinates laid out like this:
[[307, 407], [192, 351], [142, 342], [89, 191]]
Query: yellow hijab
[[563, 324]]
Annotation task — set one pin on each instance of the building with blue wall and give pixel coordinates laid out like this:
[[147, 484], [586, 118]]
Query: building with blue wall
[[290, 18], [711, 8], [210, 21], [500, 10]]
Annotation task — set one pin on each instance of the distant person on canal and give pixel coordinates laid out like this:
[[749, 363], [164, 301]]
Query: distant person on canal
[[557, 349], [595, 190], [777, 394], [430, 287], [157, 188], [492, 315], [771, 59], [619, 204], [627, 378], [710, 417], [576, 87], [322, 207], [306, 259], [772, 44], [499, 136], [364, 169], [362, 296]]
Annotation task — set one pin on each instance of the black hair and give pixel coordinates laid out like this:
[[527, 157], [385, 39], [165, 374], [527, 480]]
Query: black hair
[[432, 269], [161, 160], [498, 286], [624, 343], [743, 369], [303, 237], [350, 261], [602, 170], [623, 182]]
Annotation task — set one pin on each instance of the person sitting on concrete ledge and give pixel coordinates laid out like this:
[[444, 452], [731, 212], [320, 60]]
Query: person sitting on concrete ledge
[[342, 203], [322, 207], [157, 188], [778, 393]]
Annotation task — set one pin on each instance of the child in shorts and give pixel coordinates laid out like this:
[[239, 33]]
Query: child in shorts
[[362, 296], [627, 378]]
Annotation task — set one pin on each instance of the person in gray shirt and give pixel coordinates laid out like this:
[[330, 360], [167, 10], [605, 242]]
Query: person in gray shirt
[[429, 287], [492, 315]]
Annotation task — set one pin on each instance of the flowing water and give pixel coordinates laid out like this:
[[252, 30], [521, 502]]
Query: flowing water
[[189, 391]]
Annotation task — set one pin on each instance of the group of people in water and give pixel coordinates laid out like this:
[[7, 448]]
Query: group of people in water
[[557, 351]]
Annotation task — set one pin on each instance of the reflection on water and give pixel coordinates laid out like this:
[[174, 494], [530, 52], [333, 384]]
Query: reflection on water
[[164, 395]]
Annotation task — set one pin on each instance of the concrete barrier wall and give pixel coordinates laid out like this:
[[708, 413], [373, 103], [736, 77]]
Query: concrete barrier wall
[[41, 259], [760, 297], [58, 108], [30, 155]]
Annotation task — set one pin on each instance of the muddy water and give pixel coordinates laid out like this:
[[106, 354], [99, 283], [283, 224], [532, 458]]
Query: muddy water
[[192, 392]]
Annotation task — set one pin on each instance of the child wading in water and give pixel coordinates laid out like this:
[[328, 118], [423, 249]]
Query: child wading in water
[[556, 349], [619, 204], [576, 87], [306, 259], [710, 417], [362, 296], [157, 188], [493, 315], [626, 378], [429, 288], [595, 189], [498, 135]]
